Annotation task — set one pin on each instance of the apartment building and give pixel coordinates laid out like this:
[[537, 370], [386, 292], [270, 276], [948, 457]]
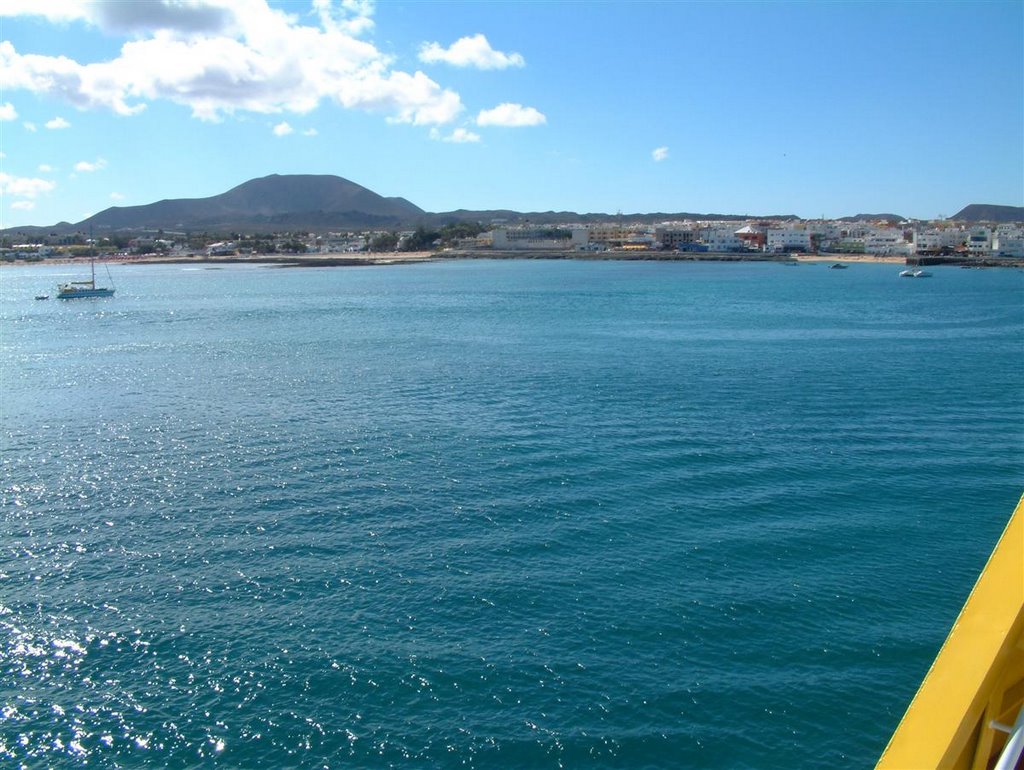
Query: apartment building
[[782, 239]]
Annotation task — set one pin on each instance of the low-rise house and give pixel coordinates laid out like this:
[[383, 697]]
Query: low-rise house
[[615, 235], [539, 238], [669, 237], [754, 236]]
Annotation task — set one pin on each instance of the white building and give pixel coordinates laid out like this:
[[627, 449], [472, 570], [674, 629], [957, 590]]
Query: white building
[[782, 239], [935, 239], [1008, 241], [887, 241], [722, 238], [979, 241]]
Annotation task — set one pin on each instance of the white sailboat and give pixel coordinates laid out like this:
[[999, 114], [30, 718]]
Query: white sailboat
[[82, 289]]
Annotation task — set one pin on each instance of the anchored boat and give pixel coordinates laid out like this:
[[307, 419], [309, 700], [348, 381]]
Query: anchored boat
[[82, 289], [969, 711]]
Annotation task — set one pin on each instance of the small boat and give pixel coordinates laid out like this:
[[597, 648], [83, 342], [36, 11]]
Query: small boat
[[83, 289], [922, 274], [969, 710], [42, 296], [837, 266], [906, 273]]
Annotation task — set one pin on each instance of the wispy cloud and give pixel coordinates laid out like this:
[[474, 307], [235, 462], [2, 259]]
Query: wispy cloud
[[457, 136], [283, 129], [23, 205], [310, 132], [7, 112], [659, 154], [473, 51], [116, 196], [45, 168], [87, 166], [509, 114], [57, 123], [30, 127]]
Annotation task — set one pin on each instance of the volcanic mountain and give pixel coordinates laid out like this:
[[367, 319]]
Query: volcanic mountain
[[275, 202], [322, 202], [986, 212]]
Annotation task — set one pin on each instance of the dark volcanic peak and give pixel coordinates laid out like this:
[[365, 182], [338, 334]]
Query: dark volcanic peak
[[297, 193], [987, 212], [287, 202]]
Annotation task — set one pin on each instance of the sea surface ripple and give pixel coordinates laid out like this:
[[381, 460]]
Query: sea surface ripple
[[511, 513]]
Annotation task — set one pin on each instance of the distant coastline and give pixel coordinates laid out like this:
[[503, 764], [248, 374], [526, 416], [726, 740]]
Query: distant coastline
[[413, 257], [418, 257]]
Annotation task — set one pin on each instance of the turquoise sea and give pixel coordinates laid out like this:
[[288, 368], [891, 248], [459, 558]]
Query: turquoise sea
[[488, 514]]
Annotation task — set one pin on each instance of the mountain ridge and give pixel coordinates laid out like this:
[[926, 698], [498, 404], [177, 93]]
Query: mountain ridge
[[989, 212], [322, 202]]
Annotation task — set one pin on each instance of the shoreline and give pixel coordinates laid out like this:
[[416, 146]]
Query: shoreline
[[416, 257]]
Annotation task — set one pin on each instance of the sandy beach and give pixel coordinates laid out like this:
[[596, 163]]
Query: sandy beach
[[870, 258]]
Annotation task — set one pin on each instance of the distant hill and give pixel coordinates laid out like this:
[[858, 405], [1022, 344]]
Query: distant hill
[[320, 202], [892, 218], [507, 216], [301, 201], [986, 212]]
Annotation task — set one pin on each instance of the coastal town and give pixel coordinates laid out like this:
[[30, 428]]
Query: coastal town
[[917, 242]]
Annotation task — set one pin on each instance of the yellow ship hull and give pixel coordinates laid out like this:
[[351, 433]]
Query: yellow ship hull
[[969, 711]]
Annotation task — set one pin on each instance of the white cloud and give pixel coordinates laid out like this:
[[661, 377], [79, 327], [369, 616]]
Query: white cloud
[[23, 205], [353, 17], [410, 98], [31, 127], [24, 187], [7, 112], [218, 57], [86, 166], [509, 114], [310, 132], [457, 136], [283, 129], [52, 10], [461, 135], [57, 123], [659, 154], [45, 168], [116, 196], [472, 51]]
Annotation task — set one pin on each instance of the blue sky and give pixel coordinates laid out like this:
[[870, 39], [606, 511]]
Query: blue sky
[[813, 109]]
